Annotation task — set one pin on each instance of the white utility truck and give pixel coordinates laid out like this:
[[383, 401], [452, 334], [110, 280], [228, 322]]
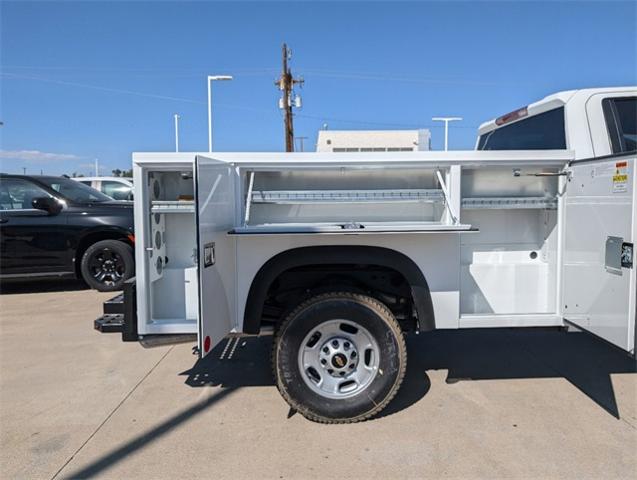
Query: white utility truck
[[339, 254]]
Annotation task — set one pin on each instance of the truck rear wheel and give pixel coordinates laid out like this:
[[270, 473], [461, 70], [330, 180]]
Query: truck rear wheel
[[339, 357]]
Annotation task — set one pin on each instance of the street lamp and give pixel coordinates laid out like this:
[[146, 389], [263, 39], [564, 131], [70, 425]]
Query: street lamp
[[211, 78], [446, 120]]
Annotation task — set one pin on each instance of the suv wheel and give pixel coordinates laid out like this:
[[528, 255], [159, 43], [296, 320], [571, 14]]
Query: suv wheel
[[107, 264], [339, 357]]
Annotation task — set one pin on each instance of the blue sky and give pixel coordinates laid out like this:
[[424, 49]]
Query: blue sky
[[86, 80]]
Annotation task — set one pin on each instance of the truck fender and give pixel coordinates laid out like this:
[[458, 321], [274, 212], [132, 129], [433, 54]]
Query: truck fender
[[343, 255]]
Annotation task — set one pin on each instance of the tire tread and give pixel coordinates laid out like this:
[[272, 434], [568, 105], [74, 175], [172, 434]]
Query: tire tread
[[391, 321]]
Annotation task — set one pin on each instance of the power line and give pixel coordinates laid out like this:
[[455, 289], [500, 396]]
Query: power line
[[427, 79], [104, 89], [379, 124], [222, 105]]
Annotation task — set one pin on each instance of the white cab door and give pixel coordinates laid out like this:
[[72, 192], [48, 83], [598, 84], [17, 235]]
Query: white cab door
[[215, 204], [598, 275]]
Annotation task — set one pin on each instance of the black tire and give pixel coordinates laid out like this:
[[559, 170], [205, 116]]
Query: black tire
[[116, 261], [330, 309]]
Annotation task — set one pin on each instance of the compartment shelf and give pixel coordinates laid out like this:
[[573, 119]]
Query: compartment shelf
[[352, 228], [495, 203], [173, 206], [346, 196]]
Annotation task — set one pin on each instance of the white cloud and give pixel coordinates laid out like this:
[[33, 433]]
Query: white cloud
[[36, 156]]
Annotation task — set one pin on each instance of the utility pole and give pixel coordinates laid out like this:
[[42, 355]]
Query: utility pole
[[446, 120], [177, 117], [286, 84], [97, 167]]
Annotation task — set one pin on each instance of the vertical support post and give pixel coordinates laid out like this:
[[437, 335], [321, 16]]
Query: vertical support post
[[176, 132], [446, 120], [452, 180], [246, 217], [209, 114], [445, 192], [286, 77], [212, 78], [561, 190]]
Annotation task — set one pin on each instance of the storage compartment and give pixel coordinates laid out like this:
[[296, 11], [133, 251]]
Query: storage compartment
[[172, 252], [343, 198], [510, 266]]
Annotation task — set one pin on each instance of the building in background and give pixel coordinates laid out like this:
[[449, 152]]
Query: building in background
[[373, 140]]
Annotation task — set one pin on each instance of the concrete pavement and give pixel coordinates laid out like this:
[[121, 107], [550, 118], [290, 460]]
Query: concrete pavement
[[475, 404]]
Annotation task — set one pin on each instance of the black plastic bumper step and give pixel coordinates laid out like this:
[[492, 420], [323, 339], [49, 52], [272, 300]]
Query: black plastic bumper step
[[114, 305], [110, 323], [120, 314]]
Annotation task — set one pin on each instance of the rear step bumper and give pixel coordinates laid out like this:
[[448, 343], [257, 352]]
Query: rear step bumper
[[115, 305], [120, 314], [109, 323]]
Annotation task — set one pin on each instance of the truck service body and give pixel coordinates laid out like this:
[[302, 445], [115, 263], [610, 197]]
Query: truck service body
[[340, 253]]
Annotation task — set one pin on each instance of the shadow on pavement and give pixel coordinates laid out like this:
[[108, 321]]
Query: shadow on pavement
[[130, 447], [472, 354], [480, 354], [500, 354], [40, 286]]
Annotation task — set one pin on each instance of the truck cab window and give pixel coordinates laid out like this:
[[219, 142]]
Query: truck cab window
[[621, 121], [544, 131]]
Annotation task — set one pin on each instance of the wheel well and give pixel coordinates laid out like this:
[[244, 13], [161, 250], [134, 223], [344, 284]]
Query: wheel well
[[291, 276], [92, 238], [297, 284]]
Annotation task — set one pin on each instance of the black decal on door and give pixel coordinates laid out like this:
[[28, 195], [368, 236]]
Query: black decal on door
[[209, 254]]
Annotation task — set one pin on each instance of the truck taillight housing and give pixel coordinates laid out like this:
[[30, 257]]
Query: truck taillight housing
[[512, 116]]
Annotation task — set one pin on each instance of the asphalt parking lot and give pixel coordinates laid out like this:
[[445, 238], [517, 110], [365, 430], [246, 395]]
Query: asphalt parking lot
[[475, 404]]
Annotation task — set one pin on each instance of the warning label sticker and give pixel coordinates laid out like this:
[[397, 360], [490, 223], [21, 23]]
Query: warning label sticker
[[620, 177]]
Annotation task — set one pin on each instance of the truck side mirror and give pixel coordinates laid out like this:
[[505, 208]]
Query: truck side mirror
[[48, 204]]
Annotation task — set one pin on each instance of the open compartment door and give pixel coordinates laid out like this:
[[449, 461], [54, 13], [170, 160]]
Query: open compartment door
[[215, 207], [598, 276]]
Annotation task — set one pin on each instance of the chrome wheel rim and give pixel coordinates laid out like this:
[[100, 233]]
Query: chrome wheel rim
[[338, 359]]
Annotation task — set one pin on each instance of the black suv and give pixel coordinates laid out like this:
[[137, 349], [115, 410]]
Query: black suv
[[55, 226]]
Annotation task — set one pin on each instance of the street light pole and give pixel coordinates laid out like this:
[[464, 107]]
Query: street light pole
[[446, 120], [211, 78], [177, 117]]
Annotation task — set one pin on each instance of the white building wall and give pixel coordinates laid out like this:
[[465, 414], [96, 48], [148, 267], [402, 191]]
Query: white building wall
[[373, 140]]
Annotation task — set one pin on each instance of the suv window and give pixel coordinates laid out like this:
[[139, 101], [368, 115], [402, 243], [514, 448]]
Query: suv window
[[17, 194], [621, 121], [74, 191], [544, 131], [116, 190]]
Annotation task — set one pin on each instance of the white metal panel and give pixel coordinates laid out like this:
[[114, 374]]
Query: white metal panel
[[521, 320], [381, 160], [597, 207], [436, 254], [215, 203]]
